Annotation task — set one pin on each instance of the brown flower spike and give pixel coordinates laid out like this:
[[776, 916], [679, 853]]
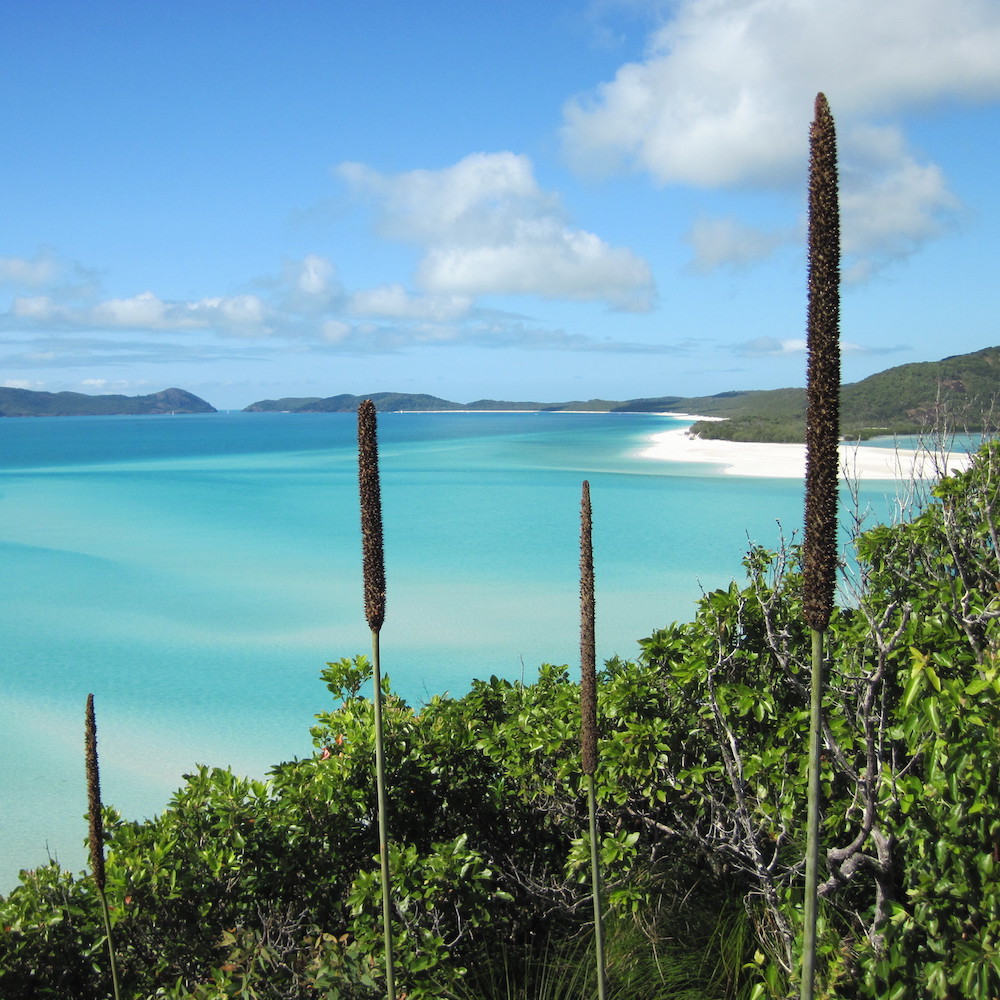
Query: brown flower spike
[[823, 386], [371, 516], [96, 835], [588, 667]]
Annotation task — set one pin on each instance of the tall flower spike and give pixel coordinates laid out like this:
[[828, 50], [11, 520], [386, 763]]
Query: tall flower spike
[[588, 667], [371, 516], [96, 834], [823, 379]]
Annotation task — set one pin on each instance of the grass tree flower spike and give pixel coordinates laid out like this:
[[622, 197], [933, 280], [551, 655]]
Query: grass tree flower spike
[[374, 580], [822, 465], [588, 664], [588, 719], [96, 822], [371, 516], [823, 377]]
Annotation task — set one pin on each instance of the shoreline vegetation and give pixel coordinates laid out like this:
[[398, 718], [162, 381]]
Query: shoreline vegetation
[[959, 392]]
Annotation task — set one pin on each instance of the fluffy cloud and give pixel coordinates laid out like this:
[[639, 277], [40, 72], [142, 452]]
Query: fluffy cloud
[[486, 227], [240, 315], [302, 308], [727, 84], [393, 301], [724, 93], [890, 203]]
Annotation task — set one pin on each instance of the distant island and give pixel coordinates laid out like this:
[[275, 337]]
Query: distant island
[[30, 403], [961, 390]]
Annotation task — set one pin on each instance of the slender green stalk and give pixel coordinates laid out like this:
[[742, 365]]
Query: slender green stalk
[[374, 580], [588, 720], [822, 466], [96, 832]]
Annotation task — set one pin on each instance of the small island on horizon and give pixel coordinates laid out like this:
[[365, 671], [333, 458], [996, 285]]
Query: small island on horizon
[[960, 391]]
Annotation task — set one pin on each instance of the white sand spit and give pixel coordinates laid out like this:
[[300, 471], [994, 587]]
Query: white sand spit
[[788, 461]]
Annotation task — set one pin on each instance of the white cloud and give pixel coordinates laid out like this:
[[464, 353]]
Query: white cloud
[[478, 197], [486, 227], [726, 89], [771, 347], [308, 286], [143, 311], [890, 203], [724, 95], [239, 315], [314, 275], [393, 301], [304, 308]]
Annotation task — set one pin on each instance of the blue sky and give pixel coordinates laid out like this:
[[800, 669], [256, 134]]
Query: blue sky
[[512, 200]]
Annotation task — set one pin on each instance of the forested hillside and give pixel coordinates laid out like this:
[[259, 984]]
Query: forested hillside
[[960, 391]]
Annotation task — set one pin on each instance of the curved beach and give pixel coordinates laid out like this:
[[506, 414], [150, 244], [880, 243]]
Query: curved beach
[[788, 461]]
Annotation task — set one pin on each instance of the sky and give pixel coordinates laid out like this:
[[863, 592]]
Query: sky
[[256, 199]]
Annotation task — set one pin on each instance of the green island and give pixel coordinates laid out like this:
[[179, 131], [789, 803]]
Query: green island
[[270, 888], [908, 399]]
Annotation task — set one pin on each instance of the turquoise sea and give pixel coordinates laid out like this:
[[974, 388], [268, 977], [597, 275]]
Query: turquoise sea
[[196, 572]]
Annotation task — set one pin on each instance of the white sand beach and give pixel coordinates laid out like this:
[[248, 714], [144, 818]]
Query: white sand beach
[[788, 461]]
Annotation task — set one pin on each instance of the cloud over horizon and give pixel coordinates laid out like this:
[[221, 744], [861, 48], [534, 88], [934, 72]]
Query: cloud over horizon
[[483, 225]]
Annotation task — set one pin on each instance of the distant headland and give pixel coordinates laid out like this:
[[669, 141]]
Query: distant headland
[[30, 403]]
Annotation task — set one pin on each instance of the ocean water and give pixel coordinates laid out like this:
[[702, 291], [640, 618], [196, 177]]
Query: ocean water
[[195, 573]]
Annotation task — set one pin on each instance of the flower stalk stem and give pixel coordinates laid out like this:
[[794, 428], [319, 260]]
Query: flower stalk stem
[[95, 835], [383, 834]]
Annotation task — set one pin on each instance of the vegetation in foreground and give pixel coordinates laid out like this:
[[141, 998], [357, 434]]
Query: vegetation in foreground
[[270, 888]]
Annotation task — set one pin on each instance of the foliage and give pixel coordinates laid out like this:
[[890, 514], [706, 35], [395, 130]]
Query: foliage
[[269, 888]]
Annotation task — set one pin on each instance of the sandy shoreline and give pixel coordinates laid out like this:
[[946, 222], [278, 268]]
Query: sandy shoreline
[[788, 461]]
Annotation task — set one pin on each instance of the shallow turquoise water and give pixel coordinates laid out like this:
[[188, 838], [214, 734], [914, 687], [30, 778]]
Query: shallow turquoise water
[[195, 573]]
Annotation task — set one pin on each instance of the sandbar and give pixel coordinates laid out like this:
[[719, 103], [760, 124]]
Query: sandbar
[[788, 461]]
